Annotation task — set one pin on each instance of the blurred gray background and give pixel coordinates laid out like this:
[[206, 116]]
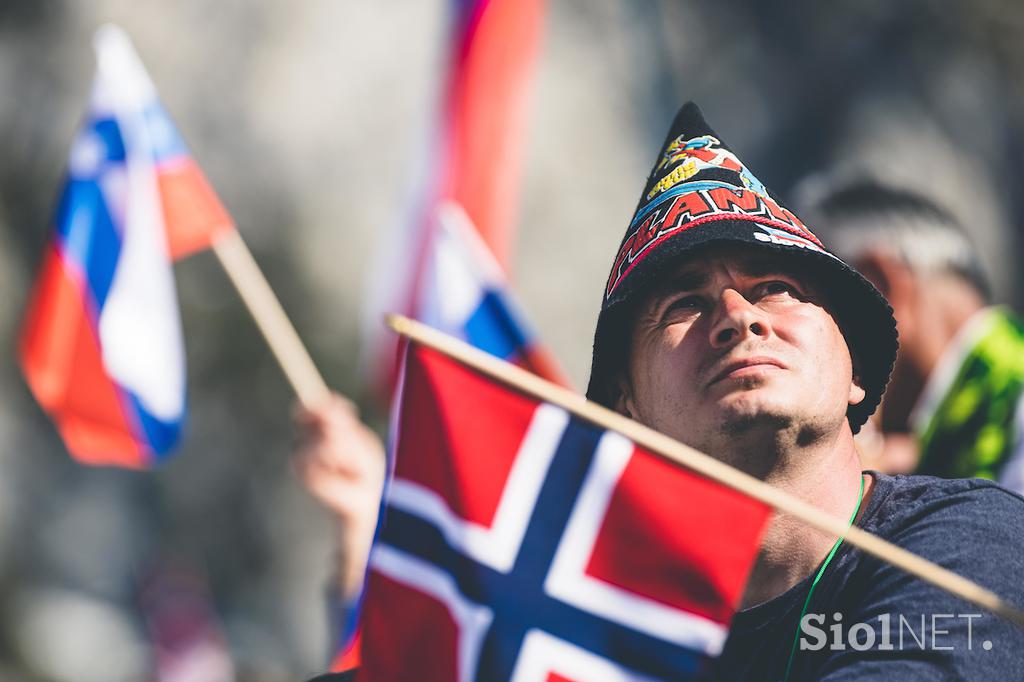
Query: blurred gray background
[[307, 116]]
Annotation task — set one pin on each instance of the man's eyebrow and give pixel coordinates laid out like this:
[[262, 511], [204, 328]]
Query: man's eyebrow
[[759, 267], [767, 267], [683, 281]]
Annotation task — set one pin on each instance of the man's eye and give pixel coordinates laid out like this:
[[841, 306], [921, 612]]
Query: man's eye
[[685, 304], [777, 288]]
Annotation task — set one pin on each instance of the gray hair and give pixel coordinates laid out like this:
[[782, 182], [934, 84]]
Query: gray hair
[[865, 214]]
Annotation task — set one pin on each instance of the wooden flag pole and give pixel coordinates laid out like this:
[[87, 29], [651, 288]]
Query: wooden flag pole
[[686, 456], [271, 319]]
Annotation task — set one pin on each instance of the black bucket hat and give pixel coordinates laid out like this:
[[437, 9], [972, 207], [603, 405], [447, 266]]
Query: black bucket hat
[[698, 194]]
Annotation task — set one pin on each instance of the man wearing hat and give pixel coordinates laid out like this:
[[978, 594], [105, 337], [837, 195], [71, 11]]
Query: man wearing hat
[[728, 325]]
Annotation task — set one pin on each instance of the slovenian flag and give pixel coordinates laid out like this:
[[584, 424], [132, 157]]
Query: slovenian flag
[[101, 345]]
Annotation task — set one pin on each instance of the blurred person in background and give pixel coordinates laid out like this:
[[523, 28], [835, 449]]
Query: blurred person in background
[[953, 407]]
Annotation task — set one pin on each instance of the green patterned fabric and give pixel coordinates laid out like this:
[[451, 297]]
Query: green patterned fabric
[[972, 432]]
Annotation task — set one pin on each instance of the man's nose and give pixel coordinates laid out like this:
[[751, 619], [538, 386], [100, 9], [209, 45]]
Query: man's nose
[[735, 318]]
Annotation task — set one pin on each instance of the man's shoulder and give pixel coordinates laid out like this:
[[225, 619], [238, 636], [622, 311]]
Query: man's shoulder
[[913, 498], [972, 526]]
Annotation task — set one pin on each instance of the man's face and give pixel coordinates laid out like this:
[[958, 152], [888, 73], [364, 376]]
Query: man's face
[[736, 341]]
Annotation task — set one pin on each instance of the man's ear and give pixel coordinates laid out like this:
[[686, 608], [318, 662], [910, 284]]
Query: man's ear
[[857, 392], [623, 395]]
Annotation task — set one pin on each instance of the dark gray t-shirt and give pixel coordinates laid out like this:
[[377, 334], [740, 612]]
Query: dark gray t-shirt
[[915, 631]]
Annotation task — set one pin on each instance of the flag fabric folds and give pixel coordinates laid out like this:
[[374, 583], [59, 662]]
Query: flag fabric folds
[[521, 543], [495, 44], [101, 344], [473, 159], [465, 294]]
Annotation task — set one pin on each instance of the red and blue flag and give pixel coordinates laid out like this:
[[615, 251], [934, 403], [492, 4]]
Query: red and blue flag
[[101, 345], [522, 543], [474, 161], [464, 293]]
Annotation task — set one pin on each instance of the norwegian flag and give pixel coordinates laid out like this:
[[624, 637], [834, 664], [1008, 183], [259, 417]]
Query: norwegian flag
[[521, 543]]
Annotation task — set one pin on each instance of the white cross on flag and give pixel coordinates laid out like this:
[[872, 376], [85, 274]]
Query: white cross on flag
[[522, 543]]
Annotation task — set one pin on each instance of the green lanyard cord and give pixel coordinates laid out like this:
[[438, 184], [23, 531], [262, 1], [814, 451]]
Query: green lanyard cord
[[810, 593]]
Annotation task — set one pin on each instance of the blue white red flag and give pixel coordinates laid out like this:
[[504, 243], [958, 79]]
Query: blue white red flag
[[474, 160], [101, 345], [464, 293], [521, 543]]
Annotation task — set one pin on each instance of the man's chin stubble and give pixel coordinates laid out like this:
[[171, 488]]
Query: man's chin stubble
[[755, 443], [739, 425]]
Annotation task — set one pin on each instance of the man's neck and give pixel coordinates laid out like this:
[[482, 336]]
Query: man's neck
[[827, 475]]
